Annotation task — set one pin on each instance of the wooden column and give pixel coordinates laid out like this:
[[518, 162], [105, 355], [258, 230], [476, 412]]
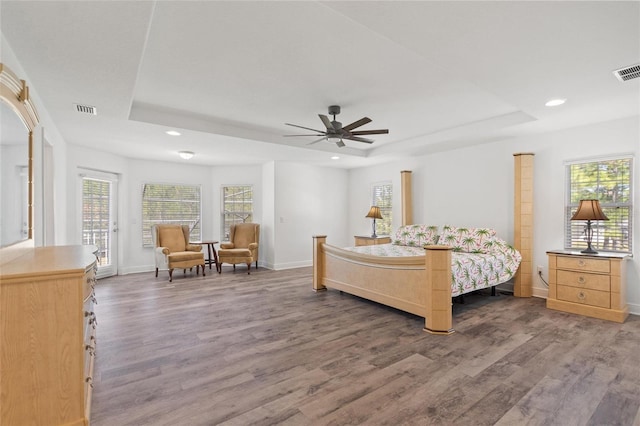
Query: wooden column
[[407, 199], [318, 262], [523, 223], [438, 270]]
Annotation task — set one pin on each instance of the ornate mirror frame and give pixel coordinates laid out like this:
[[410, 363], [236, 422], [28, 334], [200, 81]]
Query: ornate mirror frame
[[15, 93]]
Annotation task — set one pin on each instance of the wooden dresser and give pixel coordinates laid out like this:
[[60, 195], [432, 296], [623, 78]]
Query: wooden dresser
[[48, 339], [591, 285], [361, 240]]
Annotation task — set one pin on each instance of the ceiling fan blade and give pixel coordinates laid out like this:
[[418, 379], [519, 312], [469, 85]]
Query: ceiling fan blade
[[324, 138], [357, 139], [286, 136], [358, 123], [340, 143], [306, 128], [370, 132], [327, 123]]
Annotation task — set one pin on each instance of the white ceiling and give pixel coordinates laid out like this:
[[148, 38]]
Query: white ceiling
[[228, 75]]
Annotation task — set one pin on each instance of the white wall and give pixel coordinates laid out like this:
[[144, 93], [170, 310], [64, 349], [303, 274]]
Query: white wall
[[474, 187], [268, 225], [360, 196], [309, 201]]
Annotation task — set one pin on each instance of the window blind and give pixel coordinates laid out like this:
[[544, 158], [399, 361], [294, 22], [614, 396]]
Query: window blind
[[382, 197], [96, 204], [237, 207], [169, 203], [608, 181]]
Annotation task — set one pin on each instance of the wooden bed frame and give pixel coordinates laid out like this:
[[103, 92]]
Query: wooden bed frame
[[422, 285]]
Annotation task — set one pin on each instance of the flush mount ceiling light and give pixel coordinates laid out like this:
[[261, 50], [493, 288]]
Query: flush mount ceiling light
[[555, 102], [186, 154], [335, 157], [173, 133]]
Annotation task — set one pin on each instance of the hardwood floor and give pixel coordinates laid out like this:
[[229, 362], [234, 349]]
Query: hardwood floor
[[263, 349]]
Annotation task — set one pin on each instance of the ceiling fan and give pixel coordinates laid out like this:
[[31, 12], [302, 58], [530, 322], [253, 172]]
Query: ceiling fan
[[335, 133]]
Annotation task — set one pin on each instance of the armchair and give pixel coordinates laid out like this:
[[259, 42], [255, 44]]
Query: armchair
[[242, 247], [174, 251]]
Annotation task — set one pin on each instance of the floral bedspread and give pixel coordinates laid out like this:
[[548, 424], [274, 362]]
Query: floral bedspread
[[469, 271]]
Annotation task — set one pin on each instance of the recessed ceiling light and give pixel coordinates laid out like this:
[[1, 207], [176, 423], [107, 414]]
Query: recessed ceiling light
[[335, 157], [186, 154], [173, 133], [555, 102]]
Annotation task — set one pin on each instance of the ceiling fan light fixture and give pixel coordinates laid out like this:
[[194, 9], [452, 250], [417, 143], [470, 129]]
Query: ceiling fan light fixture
[[334, 138]]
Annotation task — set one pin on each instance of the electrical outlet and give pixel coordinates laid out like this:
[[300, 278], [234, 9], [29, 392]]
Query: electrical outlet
[[539, 269]]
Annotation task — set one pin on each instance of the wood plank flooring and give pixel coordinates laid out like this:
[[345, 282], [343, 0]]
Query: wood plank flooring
[[263, 349]]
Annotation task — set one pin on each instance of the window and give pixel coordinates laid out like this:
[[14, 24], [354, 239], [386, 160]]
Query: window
[[609, 181], [237, 207], [382, 197], [96, 216], [167, 203]]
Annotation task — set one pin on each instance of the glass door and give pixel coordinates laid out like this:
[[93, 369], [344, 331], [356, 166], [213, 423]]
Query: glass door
[[99, 221]]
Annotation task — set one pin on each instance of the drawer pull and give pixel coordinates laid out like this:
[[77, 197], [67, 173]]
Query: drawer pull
[[581, 296], [582, 263], [90, 349], [581, 279]]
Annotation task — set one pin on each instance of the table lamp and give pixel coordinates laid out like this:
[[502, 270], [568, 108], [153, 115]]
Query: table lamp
[[589, 210], [374, 213]]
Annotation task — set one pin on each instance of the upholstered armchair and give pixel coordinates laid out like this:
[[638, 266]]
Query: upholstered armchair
[[174, 251], [242, 247]]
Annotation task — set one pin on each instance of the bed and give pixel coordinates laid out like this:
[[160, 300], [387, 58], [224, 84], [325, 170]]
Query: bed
[[420, 271]]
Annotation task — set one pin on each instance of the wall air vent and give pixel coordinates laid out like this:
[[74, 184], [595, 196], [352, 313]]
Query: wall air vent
[[86, 109], [628, 73]]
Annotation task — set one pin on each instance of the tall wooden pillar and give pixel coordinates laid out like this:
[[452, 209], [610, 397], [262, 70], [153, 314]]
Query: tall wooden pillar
[[318, 264], [407, 199], [523, 223], [438, 318]]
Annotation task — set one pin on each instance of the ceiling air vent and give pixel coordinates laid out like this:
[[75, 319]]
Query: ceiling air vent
[[86, 109], [628, 73]]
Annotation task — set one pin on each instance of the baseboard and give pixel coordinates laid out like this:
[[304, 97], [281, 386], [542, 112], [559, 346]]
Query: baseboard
[[292, 265], [634, 308], [136, 269], [540, 292]]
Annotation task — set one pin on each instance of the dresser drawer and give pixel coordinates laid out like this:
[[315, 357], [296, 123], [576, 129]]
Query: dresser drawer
[[584, 264], [598, 298], [584, 280]]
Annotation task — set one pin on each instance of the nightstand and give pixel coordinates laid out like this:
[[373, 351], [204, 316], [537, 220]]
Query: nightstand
[[361, 240], [588, 284]]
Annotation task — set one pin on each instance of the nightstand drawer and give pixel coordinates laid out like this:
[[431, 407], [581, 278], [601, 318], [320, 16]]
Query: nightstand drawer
[[584, 280], [601, 299], [584, 264]]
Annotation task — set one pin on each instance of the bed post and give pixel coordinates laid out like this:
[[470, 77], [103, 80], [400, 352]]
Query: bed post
[[407, 199], [438, 275], [523, 223], [318, 262]]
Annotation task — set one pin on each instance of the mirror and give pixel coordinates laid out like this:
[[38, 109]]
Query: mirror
[[17, 120]]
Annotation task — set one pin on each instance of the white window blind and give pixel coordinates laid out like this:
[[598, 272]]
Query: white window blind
[[382, 194], [96, 205], [237, 207], [610, 182], [168, 203]]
